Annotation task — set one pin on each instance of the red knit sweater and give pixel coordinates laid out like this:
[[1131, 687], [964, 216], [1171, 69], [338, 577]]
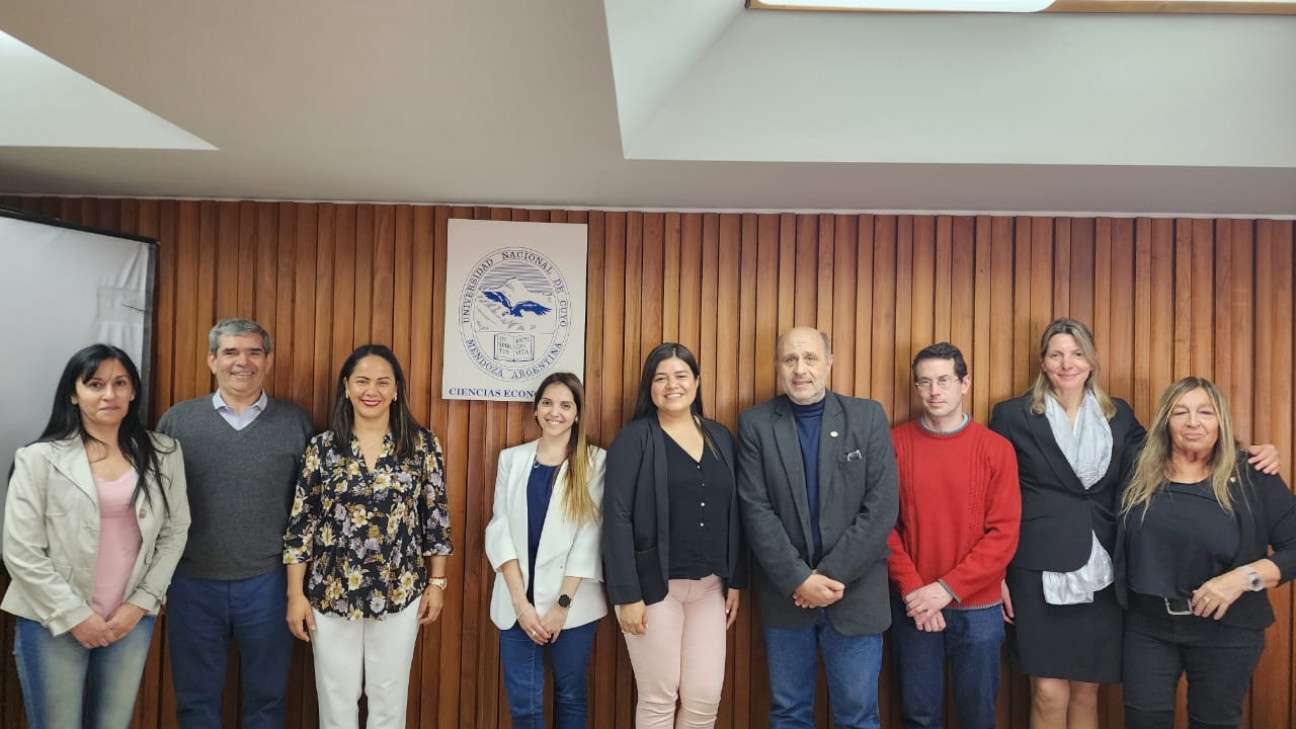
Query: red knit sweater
[[960, 509]]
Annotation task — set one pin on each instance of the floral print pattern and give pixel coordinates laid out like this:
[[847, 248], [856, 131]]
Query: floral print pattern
[[364, 532]]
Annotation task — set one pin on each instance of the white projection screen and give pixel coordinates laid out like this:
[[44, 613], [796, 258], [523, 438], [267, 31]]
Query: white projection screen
[[62, 288]]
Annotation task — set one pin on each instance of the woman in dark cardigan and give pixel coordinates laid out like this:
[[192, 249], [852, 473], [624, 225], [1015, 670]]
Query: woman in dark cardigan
[[673, 557]]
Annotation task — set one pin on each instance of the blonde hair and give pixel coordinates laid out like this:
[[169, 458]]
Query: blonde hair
[[578, 505], [1150, 471], [1043, 386]]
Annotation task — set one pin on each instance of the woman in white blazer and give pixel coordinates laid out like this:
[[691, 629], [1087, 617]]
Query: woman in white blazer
[[96, 518], [543, 543]]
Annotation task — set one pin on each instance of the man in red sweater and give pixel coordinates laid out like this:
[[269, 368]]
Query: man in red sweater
[[960, 509]]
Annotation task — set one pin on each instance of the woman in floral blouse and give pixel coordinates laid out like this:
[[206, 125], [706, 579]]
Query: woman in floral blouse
[[367, 542]]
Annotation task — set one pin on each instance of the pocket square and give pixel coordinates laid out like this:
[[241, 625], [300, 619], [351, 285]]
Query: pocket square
[[854, 455]]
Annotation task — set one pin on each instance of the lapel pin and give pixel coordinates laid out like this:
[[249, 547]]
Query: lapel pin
[[833, 434]]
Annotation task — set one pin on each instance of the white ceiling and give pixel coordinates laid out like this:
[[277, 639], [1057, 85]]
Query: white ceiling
[[678, 104]]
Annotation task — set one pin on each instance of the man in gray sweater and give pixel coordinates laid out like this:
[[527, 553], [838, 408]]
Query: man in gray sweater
[[242, 454]]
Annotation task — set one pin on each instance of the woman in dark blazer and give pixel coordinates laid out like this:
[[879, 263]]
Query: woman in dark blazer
[[1075, 445], [1193, 563], [672, 551]]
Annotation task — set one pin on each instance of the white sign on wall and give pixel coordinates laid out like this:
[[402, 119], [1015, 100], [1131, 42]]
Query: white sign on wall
[[515, 307]]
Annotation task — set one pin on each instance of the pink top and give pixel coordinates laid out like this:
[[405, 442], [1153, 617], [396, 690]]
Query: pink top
[[119, 542]]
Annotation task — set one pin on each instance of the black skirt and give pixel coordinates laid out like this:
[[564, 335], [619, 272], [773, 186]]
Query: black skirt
[[1072, 642]]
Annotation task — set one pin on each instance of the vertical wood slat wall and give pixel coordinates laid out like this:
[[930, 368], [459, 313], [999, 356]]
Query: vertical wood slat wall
[[1165, 297]]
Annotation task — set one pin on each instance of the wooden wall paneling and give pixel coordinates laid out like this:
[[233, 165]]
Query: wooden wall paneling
[[923, 309], [344, 286], [728, 319], [706, 348], [787, 235], [882, 337], [943, 292], [632, 230], [1042, 280], [1181, 281], [958, 273], [983, 326], [362, 320], [322, 372], [186, 323], [671, 275], [227, 261], [1161, 299], [1119, 347], [690, 280], [651, 307], [1242, 328], [204, 299], [402, 281], [865, 232], [1202, 279], [164, 332], [824, 285], [844, 306], [1002, 384], [384, 275], [301, 369], [767, 304], [1141, 398], [1062, 273], [1081, 236], [748, 321], [1271, 688], [900, 342], [805, 267], [266, 271]]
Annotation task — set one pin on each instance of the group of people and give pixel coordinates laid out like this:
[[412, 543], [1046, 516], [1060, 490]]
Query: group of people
[[1115, 553]]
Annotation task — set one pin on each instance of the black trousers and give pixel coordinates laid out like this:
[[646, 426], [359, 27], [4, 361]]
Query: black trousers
[[1218, 660]]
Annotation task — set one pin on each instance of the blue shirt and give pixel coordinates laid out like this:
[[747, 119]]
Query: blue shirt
[[539, 490], [808, 420], [237, 420]]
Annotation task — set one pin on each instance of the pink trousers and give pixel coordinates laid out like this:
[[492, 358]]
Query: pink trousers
[[681, 656]]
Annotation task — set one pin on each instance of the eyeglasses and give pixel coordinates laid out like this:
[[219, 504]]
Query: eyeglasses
[[944, 382]]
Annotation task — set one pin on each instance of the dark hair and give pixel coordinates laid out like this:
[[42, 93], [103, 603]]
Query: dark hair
[[942, 350], [666, 350], [577, 503], [404, 428], [134, 440]]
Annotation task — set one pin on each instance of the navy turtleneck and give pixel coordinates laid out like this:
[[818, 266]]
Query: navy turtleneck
[[808, 420]]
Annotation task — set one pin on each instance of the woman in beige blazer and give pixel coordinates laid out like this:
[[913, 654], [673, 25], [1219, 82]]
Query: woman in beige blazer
[[543, 542], [96, 518]]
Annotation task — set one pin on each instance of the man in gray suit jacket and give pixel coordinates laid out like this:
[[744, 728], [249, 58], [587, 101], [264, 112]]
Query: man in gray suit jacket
[[817, 482]]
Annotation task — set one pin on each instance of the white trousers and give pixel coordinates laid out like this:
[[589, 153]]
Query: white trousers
[[373, 655]]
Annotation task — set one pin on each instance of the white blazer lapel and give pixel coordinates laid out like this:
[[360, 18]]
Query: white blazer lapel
[[70, 459]]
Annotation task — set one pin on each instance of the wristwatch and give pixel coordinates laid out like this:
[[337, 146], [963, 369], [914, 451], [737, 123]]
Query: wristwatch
[[564, 601], [438, 582], [1255, 583]]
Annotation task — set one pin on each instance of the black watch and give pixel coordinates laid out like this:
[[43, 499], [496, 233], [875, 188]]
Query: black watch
[[564, 601]]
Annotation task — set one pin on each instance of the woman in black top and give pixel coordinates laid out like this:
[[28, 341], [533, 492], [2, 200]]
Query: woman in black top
[[671, 546], [1192, 562]]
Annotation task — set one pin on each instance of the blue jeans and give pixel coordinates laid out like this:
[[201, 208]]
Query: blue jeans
[[58, 675], [523, 663], [852, 663], [971, 642], [202, 617]]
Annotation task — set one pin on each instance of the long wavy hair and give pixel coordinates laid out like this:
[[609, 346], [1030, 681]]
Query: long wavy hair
[[133, 439], [1043, 386], [577, 503], [404, 428], [1150, 474]]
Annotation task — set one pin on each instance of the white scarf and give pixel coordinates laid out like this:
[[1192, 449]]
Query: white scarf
[[1088, 449]]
